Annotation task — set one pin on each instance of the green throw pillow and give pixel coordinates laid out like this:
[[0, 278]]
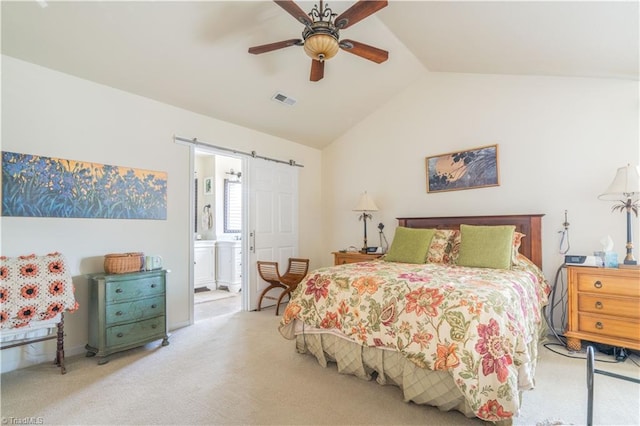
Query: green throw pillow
[[486, 246], [410, 245]]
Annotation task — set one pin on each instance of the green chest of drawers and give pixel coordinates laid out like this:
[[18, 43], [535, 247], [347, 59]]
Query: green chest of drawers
[[126, 311]]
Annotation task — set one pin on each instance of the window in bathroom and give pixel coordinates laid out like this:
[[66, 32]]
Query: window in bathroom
[[232, 206]]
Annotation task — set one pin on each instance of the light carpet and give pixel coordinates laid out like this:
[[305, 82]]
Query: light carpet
[[212, 295], [236, 369]]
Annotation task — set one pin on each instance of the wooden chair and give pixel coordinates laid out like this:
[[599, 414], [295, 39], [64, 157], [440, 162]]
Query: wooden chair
[[296, 271]]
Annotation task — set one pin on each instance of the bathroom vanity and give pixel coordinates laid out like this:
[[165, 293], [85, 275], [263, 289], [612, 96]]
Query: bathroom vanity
[[229, 270], [204, 264]]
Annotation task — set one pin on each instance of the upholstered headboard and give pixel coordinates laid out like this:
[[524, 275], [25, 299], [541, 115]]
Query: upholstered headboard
[[530, 225]]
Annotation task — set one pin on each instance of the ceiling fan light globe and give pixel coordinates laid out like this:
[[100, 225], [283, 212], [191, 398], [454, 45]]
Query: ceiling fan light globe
[[321, 47]]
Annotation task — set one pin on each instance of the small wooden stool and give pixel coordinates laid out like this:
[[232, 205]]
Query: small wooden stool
[[296, 271]]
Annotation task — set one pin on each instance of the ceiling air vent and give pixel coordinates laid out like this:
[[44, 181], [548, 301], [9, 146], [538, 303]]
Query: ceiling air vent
[[283, 99]]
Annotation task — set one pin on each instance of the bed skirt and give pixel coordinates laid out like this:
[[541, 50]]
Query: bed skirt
[[419, 385]]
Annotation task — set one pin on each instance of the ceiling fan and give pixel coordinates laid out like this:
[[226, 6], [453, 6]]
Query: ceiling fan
[[321, 34]]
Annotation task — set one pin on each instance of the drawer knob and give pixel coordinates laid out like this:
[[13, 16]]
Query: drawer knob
[[598, 284], [118, 290], [154, 306], [599, 325], [153, 285], [119, 313], [599, 305], [154, 326], [119, 334]]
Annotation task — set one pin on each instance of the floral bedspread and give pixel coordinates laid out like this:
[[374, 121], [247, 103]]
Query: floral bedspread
[[480, 324], [34, 288]]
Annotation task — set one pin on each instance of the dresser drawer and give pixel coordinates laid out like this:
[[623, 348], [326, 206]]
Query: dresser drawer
[[117, 291], [608, 284], [135, 310], [603, 305], [342, 258], [606, 326], [136, 332]]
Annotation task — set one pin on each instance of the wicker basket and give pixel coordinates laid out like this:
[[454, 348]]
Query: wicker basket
[[121, 263]]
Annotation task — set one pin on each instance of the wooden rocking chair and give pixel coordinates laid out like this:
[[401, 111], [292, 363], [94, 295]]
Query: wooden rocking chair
[[296, 271]]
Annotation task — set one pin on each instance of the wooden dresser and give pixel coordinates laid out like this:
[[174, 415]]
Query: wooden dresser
[[126, 311], [340, 258], [604, 307]]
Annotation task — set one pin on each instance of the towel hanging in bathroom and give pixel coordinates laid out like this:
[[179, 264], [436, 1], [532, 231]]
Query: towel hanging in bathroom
[[207, 217]]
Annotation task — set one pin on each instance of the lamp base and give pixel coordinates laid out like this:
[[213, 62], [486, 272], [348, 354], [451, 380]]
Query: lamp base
[[629, 259], [623, 266]]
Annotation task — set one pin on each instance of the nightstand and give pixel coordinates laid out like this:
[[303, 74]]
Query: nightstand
[[604, 307], [341, 258]]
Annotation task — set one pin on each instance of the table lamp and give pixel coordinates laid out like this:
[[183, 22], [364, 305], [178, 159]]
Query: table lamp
[[365, 205], [625, 188]]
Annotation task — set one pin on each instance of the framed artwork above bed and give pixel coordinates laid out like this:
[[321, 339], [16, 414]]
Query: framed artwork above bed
[[473, 168]]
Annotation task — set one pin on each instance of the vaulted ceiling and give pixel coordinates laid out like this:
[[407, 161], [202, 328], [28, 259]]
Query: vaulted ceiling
[[194, 54]]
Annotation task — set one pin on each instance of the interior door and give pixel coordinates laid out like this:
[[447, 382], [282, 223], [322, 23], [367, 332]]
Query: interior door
[[273, 220]]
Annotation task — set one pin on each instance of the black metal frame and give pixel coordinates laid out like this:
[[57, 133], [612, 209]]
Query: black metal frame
[[591, 370]]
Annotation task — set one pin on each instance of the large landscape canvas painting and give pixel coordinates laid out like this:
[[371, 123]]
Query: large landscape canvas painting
[[37, 186]]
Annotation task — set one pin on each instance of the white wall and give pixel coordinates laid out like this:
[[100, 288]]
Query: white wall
[[560, 143], [48, 113]]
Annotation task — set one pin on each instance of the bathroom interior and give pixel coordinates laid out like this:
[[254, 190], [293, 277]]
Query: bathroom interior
[[218, 232]]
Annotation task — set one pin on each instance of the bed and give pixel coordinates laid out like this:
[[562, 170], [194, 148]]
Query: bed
[[448, 325], [35, 291]]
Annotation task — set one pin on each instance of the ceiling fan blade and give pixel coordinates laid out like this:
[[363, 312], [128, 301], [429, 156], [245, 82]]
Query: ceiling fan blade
[[256, 50], [294, 10], [364, 50], [317, 70], [358, 12]]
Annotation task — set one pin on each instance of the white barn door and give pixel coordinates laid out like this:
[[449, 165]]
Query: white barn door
[[273, 221]]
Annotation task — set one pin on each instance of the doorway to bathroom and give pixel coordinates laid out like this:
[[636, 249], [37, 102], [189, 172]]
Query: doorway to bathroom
[[217, 240], [244, 209]]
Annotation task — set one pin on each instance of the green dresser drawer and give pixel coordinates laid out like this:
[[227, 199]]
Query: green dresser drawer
[[135, 310], [127, 289], [136, 332]]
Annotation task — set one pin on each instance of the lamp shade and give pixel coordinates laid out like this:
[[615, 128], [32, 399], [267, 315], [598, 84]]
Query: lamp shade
[[365, 204], [626, 185], [321, 46]]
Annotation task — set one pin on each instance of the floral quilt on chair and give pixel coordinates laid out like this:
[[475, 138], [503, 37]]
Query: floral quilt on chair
[[480, 324]]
